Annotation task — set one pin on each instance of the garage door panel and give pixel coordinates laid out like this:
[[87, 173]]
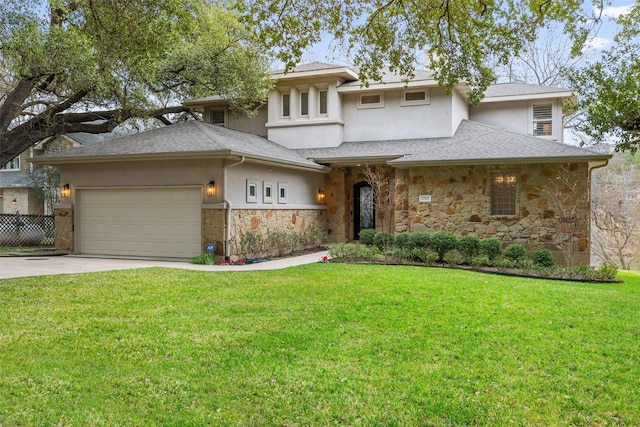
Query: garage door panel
[[139, 222]]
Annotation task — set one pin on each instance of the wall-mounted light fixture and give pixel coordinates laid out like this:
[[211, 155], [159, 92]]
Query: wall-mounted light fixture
[[211, 189], [321, 195], [14, 202], [65, 191]]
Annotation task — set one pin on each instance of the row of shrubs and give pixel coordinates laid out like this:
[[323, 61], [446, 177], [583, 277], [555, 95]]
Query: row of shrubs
[[445, 247], [438, 246]]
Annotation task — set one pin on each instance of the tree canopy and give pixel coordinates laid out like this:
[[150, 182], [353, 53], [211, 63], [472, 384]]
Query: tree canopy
[[89, 65], [610, 88]]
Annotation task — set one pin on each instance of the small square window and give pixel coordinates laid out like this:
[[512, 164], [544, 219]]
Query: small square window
[[282, 192], [415, 97], [217, 117], [252, 191], [267, 192], [503, 194]]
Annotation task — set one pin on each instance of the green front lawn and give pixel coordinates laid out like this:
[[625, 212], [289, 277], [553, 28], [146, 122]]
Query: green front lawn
[[324, 344]]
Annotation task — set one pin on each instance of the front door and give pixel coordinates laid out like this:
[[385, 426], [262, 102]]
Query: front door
[[364, 214]]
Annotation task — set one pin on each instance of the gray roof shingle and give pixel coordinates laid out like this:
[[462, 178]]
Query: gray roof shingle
[[519, 89], [472, 143], [190, 137]]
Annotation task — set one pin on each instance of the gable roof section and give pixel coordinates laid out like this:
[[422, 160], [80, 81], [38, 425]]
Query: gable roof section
[[317, 69], [190, 139], [522, 91], [473, 143]]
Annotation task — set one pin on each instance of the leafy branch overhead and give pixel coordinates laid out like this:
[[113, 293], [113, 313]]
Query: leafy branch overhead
[[87, 65]]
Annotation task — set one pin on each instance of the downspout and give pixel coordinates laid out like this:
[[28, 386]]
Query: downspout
[[227, 205]]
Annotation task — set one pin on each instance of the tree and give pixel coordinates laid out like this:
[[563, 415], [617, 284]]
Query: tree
[[460, 37], [89, 65], [610, 88], [384, 192], [616, 212]]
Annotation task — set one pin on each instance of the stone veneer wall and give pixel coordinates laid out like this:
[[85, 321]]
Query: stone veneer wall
[[213, 228], [64, 229], [271, 220], [461, 202]]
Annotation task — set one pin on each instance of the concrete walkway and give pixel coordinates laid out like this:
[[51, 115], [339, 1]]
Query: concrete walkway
[[11, 267]]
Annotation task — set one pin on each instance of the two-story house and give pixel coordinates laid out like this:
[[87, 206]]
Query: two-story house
[[498, 169]]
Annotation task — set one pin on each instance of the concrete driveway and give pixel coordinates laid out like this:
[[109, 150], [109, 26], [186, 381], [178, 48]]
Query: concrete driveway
[[11, 267]]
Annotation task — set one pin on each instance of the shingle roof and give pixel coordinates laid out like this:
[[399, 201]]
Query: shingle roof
[[183, 139], [472, 143], [388, 77], [520, 89], [313, 66]]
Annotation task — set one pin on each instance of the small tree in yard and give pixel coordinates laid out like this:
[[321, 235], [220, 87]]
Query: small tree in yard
[[384, 191]]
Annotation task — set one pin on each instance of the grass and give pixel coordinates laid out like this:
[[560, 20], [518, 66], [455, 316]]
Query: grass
[[324, 344]]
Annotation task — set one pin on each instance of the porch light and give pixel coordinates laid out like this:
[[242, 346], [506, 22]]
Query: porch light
[[211, 189], [14, 202], [320, 195], [65, 191]]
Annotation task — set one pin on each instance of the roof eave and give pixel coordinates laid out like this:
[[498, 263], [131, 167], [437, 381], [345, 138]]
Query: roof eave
[[399, 163], [387, 86], [527, 97], [343, 72]]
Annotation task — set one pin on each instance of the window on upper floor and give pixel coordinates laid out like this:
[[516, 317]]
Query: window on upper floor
[[371, 100], [12, 165], [217, 117], [304, 103], [415, 97], [286, 105], [322, 99], [503, 194], [543, 119]]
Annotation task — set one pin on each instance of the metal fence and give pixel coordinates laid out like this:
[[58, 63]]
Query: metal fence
[[27, 230]]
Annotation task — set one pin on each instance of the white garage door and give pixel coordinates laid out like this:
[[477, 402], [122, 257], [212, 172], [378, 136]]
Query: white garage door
[[139, 222]]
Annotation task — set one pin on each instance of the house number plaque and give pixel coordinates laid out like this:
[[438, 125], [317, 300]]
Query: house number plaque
[[424, 198]]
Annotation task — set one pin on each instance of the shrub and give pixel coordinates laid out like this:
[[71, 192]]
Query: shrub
[[203, 258], [515, 252], [382, 240], [482, 261], [352, 252], [421, 239], [542, 258], [469, 247], [608, 271], [454, 257], [366, 236], [442, 242], [491, 248], [404, 241]]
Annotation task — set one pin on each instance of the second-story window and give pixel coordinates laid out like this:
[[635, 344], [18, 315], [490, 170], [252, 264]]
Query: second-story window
[[12, 165], [543, 119], [217, 117], [371, 100], [304, 103], [286, 105], [322, 97]]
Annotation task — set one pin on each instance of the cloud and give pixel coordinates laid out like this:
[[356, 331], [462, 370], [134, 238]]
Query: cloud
[[614, 12], [596, 43]]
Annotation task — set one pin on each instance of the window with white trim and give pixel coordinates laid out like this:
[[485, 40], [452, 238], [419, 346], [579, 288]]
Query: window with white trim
[[252, 191], [371, 100], [322, 99], [543, 119], [12, 165], [282, 192], [304, 103], [267, 192], [217, 117], [503, 194], [415, 97], [286, 105]]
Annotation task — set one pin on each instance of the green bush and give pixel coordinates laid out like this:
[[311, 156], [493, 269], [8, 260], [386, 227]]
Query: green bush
[[482, 261], [421, 239], [515, 252], [608, 271], [203, 258], [469, 247], [491, 248], [454, 257], [442, 242], [404, 241], [366, 236], [542, 258], [353, 252], [382, 240]]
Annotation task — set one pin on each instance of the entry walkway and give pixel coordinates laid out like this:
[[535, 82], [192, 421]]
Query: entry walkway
[[11, 267]]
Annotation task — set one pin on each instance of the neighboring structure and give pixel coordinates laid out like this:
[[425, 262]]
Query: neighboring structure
[[494, 170]]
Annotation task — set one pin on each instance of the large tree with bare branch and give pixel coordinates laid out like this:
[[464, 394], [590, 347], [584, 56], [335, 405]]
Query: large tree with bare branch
[[89, 65]]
